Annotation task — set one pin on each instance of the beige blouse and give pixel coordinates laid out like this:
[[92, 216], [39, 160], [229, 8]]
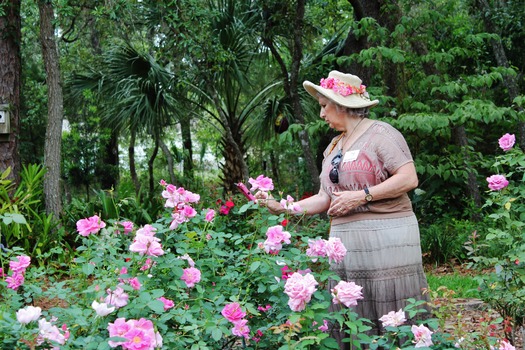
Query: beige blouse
[[370, 160]]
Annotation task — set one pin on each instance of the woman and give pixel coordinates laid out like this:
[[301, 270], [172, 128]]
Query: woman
[[366, 174]]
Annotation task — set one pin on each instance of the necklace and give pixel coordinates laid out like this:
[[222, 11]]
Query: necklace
[[351, 133]]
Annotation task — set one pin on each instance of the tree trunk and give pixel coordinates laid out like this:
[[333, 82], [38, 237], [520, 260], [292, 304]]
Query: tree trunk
[[297, 55], [460, 136], [151, 162], [111, 173], [132, 167], [291, 85], [501, 58], [169, 159], [10, 70], [187, 148], [55, 110]]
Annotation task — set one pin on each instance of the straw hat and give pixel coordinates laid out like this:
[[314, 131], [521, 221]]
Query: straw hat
[[344, 89]]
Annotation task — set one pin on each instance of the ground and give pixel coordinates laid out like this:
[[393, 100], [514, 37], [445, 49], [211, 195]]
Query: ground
[[470, 315]]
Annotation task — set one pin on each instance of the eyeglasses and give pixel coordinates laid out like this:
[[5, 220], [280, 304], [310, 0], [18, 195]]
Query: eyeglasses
[[334, 173]]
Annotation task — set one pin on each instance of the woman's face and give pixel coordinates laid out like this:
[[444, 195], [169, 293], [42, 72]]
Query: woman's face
[[335, 119]]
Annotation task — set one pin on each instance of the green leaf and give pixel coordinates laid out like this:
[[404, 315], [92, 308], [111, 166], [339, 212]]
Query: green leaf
[[156, 305], [255, 266], [216, 334]]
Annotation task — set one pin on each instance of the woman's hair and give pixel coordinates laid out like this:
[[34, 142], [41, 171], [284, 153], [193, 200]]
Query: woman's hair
[[360, 112]]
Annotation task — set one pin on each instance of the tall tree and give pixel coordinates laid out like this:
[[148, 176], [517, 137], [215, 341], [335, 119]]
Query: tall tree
[[290, 67], [10, 69], [53, 143]]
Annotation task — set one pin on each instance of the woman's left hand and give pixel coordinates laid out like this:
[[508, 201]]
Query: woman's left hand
[[345, 202]]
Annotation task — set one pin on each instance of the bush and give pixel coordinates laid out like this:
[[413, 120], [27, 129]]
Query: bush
[[225, 277]]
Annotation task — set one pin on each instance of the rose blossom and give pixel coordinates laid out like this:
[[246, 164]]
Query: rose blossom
[[85, 227], [233, 312], [262, 183], [102, 309], [28, 314], [497, 182], [316, 248], [49, 331], [240, 329], [393, 319], [300, 289], [191, 276], [505, 345], [168, 304], [15, 280], [127, 225], [422, 336], [118, 297], [335, 250], [21, 265], [146, 245], [210, 214], [346, 293], [506, 142], [275, 237]]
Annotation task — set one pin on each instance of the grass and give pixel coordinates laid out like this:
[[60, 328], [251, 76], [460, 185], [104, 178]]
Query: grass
[[464, 286]]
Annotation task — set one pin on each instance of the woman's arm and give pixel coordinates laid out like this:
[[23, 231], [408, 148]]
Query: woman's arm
[[315, 204], [403, 180]]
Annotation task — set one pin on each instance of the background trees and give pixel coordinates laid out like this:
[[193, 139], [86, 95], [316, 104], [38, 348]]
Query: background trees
[[208, 94]]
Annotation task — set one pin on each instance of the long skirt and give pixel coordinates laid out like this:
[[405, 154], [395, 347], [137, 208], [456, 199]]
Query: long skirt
[[384, 257]]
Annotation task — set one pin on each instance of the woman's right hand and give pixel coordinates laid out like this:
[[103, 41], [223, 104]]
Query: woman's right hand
[[265, 200]]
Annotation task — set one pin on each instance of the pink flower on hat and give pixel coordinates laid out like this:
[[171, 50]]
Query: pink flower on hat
[[341, 87]]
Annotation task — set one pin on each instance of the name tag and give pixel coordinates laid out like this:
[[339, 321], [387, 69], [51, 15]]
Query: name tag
[[350, 156]]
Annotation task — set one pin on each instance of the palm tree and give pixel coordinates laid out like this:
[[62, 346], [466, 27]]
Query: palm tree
[[225, 92], [137, 96]]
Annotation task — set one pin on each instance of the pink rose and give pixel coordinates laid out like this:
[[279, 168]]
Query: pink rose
[[210, 214], [300, 289], [127, 225], [21, 265], [422, 336], [497, 182], [393, 319], [505, 345], [233, 312], [85, 227], [134, 283], [346, 293], [316, 248], [241, 329], [335, 250], [275, 237], [14, 281], [262, 183], [117, 298], [191, 276], [119, 329], [168, 304], [146, 245], [506, 142]]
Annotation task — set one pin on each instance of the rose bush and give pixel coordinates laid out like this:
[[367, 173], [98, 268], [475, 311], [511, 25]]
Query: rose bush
[[193, 280]]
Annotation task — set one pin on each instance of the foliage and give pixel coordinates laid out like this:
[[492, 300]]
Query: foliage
[[24, 221], [228, 250], [498, 252]]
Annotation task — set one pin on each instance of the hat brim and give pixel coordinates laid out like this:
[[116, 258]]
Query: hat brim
[[350, 101]]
